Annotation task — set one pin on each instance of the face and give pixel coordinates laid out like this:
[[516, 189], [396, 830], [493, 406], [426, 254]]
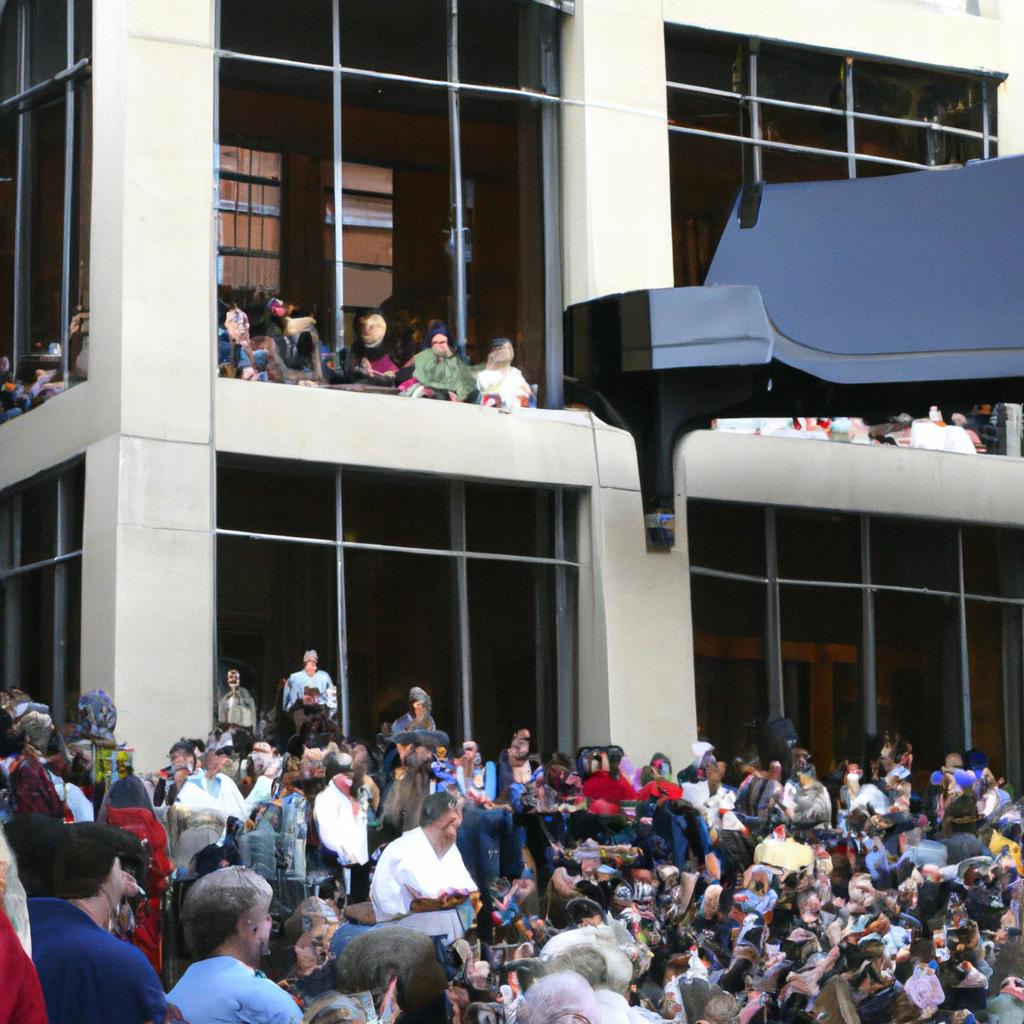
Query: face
[[449, 822], [372, 329], [233, 679], [181, 759], [215, 760], [418, 707], [521, 743], [501, 353], [254, 933], [439, 346], [310, 667]]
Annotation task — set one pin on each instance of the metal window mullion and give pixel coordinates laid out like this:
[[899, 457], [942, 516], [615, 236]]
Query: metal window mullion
[[773, 625], [12, 603], [565, 695], [541, 635], [851, 133], [455, 140], [964, 673], [551, 190], [985, 127], [755, 114], [341, 608], [792, 147], [869, 672], [457, 540], [338, 182]]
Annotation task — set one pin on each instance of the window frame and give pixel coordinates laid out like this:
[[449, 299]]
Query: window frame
[[28, 98]]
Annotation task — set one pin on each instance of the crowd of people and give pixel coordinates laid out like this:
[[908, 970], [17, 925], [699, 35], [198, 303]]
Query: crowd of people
[[272, 341], [290, 873], [975, 433]]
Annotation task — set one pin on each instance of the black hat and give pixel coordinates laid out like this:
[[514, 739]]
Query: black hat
[[432, 738]]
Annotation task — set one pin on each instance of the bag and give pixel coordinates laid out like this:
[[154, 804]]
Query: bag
[[33, 789]]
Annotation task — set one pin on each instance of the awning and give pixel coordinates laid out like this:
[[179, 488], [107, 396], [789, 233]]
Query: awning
[[909, 277]]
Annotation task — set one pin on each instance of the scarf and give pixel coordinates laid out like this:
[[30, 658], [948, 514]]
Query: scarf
[[450, 374]]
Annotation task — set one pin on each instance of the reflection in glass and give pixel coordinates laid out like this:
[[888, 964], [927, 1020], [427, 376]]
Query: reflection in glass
[[729, 658], [275, 600], [402, 631], [918, 677], [396, 36], [512, 640], [821, 659], [986, 658], [298, 30]]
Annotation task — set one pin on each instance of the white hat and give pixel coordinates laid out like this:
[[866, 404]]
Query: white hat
[[701, 749], [310, 656]]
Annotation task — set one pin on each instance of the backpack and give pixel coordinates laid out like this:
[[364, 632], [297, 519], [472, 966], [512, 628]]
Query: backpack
[[33, 790]]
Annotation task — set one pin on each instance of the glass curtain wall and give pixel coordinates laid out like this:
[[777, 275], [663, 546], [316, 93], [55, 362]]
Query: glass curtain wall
[[45, 175], [743, 111], [40, 589], [400, 165], [396, 580], [855, 626]]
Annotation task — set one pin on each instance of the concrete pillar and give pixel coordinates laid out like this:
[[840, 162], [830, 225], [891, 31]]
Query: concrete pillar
[[616, 210], [147, 600]]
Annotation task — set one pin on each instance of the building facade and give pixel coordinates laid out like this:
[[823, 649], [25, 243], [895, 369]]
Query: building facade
[[492, 164]]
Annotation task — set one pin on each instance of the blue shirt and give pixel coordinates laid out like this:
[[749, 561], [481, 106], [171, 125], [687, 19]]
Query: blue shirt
[[299, 682], [222, 990], [86, 973]]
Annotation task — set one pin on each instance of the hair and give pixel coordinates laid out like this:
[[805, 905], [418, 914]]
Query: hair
[[563, 998], [214, 904], [585, 960], [83, 864], [370, 961], [436, 806]]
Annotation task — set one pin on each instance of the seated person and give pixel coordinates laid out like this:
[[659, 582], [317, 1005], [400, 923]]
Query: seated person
[[309, 688], [226, 918], [423, 871], [438, 372], [419, 714], [211, 787], [369, 358], [500, 383]]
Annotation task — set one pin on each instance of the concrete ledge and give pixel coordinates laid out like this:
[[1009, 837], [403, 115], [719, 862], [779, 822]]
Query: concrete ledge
[[856, 478]]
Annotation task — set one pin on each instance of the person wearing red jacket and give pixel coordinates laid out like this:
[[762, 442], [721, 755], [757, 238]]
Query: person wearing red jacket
[[609, 785]]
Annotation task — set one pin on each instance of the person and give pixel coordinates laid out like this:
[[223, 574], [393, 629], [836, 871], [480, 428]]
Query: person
[[211, 787], [86, 973], [35, 787], [423, 871], [514, 762], [265, 765], [21, 998], [237, 707], [340, 815], [369, 358], [227, 923], [307, 688], [563, 998], [419, 714], [501, 384], [438, 372]]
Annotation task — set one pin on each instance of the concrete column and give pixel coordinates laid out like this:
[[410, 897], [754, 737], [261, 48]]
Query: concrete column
[[616, 210], [147, 601], [636, 649]]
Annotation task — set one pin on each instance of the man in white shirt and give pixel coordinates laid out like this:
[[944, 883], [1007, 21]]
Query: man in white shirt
[[210, 787], [422, 872]]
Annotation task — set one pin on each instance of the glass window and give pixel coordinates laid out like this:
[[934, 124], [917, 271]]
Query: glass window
[[409, 511], [396, 36], [993, 561], [917, 670], [33, 592], [8, 202], [368, 232], [510, 520], [517, 62], [83, 29], [919, 94], [914, 553], [9, 51], [989, 628], [821, 661], [725, 536], [39, 522], [275, 600], [512, 640], [46, 131], [277, 498], [298, 30], [48, 39], [502, 192], [402, 628], [817, 545], [729, 658]]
